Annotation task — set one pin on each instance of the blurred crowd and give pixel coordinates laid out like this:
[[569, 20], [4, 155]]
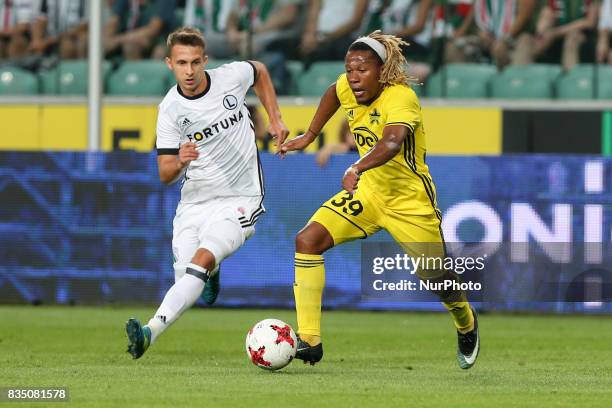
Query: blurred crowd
[[35, 33]]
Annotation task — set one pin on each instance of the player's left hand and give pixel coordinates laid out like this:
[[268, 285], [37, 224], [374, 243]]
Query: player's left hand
[[350, 179], [279, 132]]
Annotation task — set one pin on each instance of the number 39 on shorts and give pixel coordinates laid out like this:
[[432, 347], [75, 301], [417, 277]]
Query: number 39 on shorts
[[348, 205]]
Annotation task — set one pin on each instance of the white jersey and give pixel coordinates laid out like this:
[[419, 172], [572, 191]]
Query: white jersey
[[219, 123]]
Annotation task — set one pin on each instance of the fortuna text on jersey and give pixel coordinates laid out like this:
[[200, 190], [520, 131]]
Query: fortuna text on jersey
[[215, 127]]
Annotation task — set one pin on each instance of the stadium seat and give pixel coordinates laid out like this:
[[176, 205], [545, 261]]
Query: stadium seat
[[139, 78], [319, 77], [604, 82], [418, 89], [16, 81], [462, 81], [534, 81], [577, 83], [49, 82], [69, 78], [295, 68]]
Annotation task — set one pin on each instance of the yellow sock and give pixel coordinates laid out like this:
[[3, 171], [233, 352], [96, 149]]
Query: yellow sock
[[308, 291], [462, 315]]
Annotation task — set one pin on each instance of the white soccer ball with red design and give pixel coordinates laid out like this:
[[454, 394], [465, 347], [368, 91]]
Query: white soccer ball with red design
[[271, 344]]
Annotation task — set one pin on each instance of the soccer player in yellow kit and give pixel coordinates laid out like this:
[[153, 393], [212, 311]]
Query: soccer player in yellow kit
[[389, 187]]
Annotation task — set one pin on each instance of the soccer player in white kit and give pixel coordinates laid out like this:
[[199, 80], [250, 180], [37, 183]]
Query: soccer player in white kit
[[205, 137]]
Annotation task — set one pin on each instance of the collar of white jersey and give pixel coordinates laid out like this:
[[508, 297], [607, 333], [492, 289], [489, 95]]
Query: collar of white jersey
[[197, 96]]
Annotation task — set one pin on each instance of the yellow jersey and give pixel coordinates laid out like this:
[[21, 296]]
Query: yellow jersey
[[403, 184]]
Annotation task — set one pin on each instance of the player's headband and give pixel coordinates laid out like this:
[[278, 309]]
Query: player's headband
[[375, 45]]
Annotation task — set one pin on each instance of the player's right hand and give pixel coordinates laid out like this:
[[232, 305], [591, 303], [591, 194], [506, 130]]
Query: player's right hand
[[299, 142], [279, 132], [187, 153], [351, 179]]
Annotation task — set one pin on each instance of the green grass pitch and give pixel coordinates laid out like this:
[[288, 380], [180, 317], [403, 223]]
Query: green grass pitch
[[371, 359]]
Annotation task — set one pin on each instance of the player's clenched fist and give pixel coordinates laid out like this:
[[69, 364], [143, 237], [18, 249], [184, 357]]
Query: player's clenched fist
[[187, 153], [350, 179]]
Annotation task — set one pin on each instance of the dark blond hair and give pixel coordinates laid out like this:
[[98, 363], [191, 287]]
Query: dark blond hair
[[186, 36], [394, 68]]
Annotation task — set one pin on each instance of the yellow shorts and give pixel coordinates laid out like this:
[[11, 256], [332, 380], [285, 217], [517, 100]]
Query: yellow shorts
[[357, 216]]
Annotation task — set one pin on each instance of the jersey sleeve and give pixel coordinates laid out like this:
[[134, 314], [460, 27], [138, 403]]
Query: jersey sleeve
[[404, 109], [246, 73], [168, 135]]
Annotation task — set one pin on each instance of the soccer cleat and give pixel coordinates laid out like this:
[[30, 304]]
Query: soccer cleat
[[468, 345], [310, 354], [211, 290], [139, 338]]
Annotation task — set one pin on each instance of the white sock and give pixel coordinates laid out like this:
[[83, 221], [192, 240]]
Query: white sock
[[180, 297]]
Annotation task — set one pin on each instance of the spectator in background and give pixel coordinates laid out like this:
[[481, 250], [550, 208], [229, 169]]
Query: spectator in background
[[262, 29], [411, 20], [211, 18], [259, 23], [565, 32], [373, 18], [604, 55], [346, 144], [16, 18], [454, 28], [504, 29], [330, 28], [137, 28], [61, 26], [453, 18]]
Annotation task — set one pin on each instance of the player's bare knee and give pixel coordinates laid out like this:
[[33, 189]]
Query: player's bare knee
[[313, 239], [303, 242], [204, 258]]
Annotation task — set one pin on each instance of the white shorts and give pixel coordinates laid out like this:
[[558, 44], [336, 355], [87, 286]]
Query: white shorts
[[220, 225]]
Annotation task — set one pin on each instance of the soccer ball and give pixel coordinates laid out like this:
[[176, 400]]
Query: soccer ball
[[271, 344]]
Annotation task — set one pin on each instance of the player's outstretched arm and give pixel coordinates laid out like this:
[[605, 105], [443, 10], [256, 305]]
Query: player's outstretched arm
[[328, 105], [266, 94], [171, 166], [383, 151]]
